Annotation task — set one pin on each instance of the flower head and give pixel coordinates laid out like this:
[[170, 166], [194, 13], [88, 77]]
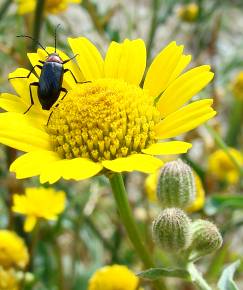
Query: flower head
[[189, 12], [39, 203], [51, 6], [221, 166], [237, 86], [13, 251], [110, 123], [113, 278], [8, 280]]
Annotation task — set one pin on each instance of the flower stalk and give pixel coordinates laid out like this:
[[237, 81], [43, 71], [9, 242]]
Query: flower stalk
[[39, 10], [197, 278], [124, 209]]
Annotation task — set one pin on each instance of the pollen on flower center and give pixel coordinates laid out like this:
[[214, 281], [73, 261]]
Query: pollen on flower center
[[103, 120]]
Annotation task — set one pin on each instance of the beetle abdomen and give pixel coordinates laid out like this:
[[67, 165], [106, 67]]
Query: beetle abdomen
[[50, 84]]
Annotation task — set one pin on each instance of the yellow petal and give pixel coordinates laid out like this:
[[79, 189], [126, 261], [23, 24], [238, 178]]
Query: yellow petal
[[30, 223], [89, 59], [77, 169], [185, 119], [163, 67], [32, 163], [21, 86], [126, 61], [135, 162], [16, 131], [12, 103], [173, 147], [182, 64], [183, 89]]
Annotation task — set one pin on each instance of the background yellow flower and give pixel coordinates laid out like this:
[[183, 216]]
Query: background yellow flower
[[46, 203], [189, 12], [113, 278], [237, 86], [221, 166], [51, 6], [13, 251]]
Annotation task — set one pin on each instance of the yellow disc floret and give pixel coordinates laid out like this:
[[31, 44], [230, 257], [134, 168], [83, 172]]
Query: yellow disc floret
[[103, 120]]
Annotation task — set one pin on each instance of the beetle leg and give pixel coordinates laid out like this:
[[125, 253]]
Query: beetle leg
[[39, 66], [76, 81], [36, 84], [41, 61], [67, 60]]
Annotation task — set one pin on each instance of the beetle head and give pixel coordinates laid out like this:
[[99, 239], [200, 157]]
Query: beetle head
[[54, 57]]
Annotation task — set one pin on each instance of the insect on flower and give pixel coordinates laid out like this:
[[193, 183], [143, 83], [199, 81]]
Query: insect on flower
[[51, 77]]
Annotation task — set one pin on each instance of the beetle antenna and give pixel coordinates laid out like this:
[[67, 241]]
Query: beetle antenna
[[56, 37], [36, 41]]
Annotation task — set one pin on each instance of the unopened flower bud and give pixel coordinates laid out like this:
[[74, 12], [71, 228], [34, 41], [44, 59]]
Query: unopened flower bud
[[172, 230], [176, 185], [206, 238]]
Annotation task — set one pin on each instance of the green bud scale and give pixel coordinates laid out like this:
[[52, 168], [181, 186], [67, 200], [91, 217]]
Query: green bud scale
[[206, 238], [176, 187], [172, 230]]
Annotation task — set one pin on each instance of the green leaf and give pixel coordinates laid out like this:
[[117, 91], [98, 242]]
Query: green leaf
[[156, 273], [226, 280], [218, 203]]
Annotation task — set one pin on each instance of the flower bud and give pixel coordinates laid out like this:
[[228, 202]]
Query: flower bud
[[176, 185], [172, 229], [206, 238]]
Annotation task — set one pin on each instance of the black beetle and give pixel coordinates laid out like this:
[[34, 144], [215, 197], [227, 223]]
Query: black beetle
[[51, 78]]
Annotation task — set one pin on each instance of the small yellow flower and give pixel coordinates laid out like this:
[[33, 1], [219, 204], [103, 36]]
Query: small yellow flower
[[51, 6], [113, 278], [110, 124], [151, 183], [189, 12], [39, 203], [221, 166], [13, 251], [237, 86], [8, 280]]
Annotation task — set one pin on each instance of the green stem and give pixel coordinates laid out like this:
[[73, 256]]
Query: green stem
[[220, 142], [4, 8], [236, 120], [39, 10], [127, 218], [153, 27], [197, 278]]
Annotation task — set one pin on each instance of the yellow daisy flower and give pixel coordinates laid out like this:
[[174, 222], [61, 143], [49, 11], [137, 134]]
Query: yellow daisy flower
[[189, 12], [112, 278], [8, 280], [110, 123], [51, 6], [237, 86], [151, 183], [13, 251], [39, 203], [221, 166]]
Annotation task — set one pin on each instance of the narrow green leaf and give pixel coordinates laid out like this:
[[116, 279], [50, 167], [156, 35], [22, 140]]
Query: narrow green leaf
[[217, 203], [226, 281], [157, 273]]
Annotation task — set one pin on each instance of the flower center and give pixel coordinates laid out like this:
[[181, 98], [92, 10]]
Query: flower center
[[103, 120]]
